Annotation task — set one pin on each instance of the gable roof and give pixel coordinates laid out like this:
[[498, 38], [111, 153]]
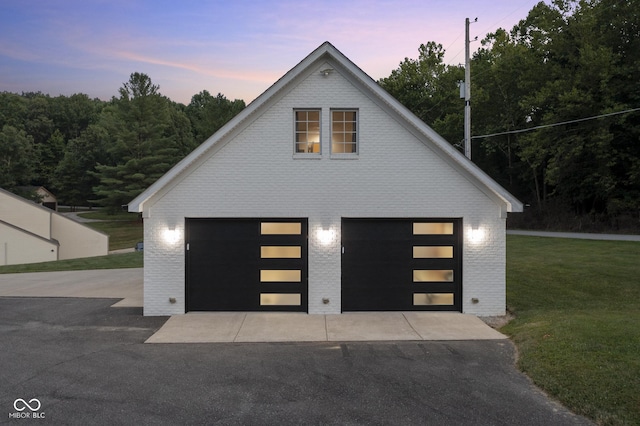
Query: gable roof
[[327, 52]]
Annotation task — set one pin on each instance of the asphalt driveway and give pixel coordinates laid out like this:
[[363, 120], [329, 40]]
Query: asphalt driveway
[[86, 363]]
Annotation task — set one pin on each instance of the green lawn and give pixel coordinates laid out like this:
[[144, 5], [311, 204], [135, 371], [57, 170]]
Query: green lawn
[[112, 261], [577, 325], [124, 229], [104, 215]]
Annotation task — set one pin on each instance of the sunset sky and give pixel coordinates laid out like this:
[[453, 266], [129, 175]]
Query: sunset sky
[[234, 47]]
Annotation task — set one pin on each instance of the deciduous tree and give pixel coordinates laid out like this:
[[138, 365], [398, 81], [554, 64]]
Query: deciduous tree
[[17, 159], [429, 88], [208, 113]]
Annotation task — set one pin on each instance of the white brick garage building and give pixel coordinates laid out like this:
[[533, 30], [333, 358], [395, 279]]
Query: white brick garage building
[[325, 195]]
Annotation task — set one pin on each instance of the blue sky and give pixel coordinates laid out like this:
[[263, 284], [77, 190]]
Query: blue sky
[[234, 47]]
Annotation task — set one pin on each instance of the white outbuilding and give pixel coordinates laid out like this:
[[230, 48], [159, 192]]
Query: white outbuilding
[[31, 233], [325, 195]]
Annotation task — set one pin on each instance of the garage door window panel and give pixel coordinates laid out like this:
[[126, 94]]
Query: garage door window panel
[[433, 252], [432, 299], [280, 252], [432, 275], [280, 299], [280, 276], [433, 228], [280, 228]]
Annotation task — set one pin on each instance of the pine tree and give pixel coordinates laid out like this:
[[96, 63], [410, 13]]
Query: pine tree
[[144, 142]]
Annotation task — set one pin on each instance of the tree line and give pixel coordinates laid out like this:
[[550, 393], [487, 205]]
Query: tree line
[[571, 62], [564, 63], [92, 152]]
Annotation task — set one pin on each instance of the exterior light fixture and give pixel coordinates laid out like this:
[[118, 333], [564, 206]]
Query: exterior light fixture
[[171, 235], [325, 72], [476, 235], [326, 236]]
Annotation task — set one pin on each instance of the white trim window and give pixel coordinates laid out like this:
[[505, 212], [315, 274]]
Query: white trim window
[[344, 131], [307, 131]]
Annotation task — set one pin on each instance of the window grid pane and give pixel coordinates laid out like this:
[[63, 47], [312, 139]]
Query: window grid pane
[[307, 129], [344, 135]]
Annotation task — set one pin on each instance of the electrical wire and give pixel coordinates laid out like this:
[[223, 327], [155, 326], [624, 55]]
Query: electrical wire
[[510, 132]]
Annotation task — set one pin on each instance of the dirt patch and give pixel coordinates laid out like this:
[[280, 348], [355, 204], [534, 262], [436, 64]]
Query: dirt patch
[[498, 322]]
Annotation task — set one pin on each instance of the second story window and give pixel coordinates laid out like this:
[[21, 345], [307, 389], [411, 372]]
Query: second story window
[[307, 128], [344, 132]]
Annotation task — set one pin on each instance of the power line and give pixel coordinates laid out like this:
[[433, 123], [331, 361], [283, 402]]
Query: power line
[[493, 26], [555, 124]]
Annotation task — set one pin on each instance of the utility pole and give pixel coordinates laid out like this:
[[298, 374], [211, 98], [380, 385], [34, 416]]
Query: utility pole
[[467, 91]]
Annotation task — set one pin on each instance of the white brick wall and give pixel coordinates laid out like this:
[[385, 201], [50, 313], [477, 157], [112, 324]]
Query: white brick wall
[[256, 175]]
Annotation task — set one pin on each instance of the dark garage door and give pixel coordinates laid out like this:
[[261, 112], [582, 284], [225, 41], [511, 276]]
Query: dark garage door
[[246, 265], [401, 265]]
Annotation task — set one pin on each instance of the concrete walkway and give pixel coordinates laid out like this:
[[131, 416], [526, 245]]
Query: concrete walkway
[[577, 235], [75, 216], [204, 327], [209, 327]]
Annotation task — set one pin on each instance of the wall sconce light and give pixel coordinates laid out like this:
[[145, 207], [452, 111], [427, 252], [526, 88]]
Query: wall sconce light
[[326, 236], [325, 72], [476, 235], [171, 235]]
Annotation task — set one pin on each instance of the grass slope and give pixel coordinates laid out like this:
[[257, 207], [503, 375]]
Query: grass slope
[[577, 326], [124, 229], [112, 261]]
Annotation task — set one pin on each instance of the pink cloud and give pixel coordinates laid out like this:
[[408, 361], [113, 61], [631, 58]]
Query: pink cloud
[[211, 72]]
